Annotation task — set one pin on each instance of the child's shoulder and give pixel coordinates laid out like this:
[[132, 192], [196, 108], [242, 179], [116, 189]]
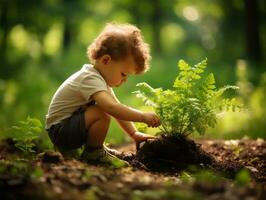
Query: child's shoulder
[[89, 75], [90, 71]]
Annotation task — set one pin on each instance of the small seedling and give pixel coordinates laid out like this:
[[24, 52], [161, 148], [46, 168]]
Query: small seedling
[[25, 135], [192, 105], [243, 177]]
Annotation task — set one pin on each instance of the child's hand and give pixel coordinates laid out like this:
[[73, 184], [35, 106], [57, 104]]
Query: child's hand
[[151, 119], [141, 137]]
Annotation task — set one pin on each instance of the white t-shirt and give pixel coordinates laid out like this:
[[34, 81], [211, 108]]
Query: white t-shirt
[[75, 92]]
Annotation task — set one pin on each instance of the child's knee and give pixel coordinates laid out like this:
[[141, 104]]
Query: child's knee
[[94, 113], [105, 117]]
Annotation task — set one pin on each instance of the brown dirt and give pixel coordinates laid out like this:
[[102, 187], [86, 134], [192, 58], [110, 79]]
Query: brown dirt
[[171, 154], [248, 153], [71, 179]]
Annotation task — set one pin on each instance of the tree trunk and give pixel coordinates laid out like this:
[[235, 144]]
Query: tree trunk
[[3, 42], [68, 23], [67, 34], [156, 26], [253, 48]]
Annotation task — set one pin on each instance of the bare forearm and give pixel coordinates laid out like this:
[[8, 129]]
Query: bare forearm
[[125, 113], [127, 126], [110, 105], [131, 130]]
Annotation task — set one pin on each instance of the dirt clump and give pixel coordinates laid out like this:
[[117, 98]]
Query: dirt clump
[[171, 153]]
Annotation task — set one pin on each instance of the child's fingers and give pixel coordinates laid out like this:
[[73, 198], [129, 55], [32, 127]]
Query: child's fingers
[[151, 137], [156, 121]]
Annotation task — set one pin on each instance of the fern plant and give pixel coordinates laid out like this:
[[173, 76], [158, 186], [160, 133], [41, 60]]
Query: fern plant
[[26, 133], [192, 104]]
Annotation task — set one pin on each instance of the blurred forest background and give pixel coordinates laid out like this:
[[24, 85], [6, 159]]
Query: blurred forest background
[[43, 42]]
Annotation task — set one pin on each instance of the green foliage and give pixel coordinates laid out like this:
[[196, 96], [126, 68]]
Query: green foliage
[[243, 177], [40, 45], [251, 121], [141, 127], [256, 124], [166, 193], [195, 174], [20, 168], [14, 168], [192, 104], [207, 176], [26, 133], [93, 192]]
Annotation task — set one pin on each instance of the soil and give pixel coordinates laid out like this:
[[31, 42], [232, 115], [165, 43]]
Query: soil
[[171, 154], [151, 175]]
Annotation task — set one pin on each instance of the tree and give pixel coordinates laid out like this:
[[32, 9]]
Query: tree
[[253, 44]]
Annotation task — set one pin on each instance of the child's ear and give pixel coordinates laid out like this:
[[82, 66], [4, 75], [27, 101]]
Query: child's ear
[[105, 59]]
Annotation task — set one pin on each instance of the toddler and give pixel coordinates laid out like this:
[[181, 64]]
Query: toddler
[[81, 108]]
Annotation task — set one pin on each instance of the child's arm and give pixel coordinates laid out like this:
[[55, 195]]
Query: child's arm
[[131, 130], [122, 112]]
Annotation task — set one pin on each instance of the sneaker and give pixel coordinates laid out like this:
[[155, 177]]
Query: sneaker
[[101, 156], [113, 152]]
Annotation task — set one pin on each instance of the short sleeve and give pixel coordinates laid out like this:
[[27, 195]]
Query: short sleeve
[[92, 83]]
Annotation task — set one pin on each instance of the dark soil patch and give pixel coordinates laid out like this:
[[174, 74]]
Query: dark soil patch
[[226, 157], [169, 153], [67, 179]]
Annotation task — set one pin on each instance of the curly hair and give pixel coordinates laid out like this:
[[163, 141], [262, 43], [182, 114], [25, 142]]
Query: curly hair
[[120, 41]]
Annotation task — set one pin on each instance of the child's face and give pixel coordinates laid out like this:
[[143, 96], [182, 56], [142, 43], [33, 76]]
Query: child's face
[[116, 73]]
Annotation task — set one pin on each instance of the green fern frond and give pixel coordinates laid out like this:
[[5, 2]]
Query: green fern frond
[[26, 133], [183, 66], [200, 67], [147, 94], [231, 104], [221, 91], [192, 105]]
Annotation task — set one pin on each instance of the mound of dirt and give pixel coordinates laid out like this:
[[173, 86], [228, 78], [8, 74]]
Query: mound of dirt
[[170, 153]]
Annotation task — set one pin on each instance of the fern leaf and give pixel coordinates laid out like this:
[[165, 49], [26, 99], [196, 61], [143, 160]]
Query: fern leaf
[[200, 67], [223, 89], [147, 94], [183, 66]]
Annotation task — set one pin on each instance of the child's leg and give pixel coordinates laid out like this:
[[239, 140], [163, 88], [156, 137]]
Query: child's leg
[[97, 123]]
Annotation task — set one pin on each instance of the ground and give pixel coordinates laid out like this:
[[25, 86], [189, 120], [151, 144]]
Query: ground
[[49, 176]]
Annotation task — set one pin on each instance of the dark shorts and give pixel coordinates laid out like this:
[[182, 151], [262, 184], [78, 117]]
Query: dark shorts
[[71, 133]]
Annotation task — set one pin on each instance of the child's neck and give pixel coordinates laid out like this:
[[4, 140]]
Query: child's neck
[[98, 67]]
